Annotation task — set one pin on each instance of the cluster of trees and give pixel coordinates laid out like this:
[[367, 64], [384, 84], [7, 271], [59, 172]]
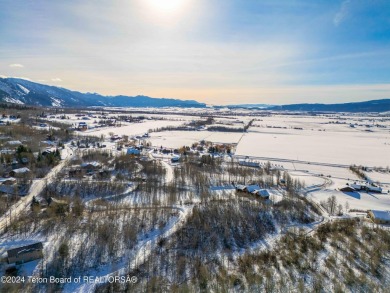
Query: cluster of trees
[[358, 171], [342, 256], [83, 188], [333, 207]]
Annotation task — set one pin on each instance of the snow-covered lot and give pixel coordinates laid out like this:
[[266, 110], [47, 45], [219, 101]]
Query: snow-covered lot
[[176, 139], [132, 129], [347, 148], [356, 200]]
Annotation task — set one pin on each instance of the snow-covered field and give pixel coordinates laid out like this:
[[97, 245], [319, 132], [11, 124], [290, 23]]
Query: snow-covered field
[[346, 148], [176, 139], [356, 200], [132, 129]]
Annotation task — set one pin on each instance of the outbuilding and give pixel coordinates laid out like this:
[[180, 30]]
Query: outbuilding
[[25, 254]]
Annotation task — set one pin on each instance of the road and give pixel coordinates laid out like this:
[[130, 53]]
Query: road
[[35, 189], [169, 175], [292, 161], [139, 254]]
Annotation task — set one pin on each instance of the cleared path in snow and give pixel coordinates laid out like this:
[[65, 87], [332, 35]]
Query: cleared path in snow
[[169, 175], [138, 255], [35, 189]]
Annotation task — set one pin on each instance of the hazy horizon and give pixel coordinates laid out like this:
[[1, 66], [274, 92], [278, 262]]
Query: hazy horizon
[[256, 52]]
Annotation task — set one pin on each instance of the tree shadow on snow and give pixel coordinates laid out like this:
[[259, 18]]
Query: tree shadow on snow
[[369, 193]]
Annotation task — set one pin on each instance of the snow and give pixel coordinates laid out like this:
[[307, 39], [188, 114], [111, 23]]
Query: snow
[[309, 179], [313, 146], [381, 177], [13, 100], [25, 90], [132, 129], [177, 139], [139, 254], [36, 187], [14, 142], [56, 102], [320, 140], [169, 175], [356, 200]]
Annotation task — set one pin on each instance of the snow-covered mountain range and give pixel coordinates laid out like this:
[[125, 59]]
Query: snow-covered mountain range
[[21, 91]]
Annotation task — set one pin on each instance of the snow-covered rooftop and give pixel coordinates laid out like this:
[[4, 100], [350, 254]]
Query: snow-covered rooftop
[[381, 215]]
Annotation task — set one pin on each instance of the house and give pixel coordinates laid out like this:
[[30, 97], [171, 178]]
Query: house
[[7, 151], [14, 189], [19, 172], [133, 151], [366, 187], [263, 193], [82, 126], [249, 163], [347, 189], [251, 188], [240, 188], [175, 159], [25, 254], [91, 166], [14, 142], [46, 152], [380, 217], [357, 186], [76, 172], [39, 201], [7, 181], [373, 188], [56, 202]]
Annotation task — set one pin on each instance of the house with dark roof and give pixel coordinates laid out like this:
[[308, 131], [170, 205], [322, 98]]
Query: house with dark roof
[[91, 166], [25, 254]]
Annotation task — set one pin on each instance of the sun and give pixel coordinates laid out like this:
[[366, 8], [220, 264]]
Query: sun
[[166, 6]]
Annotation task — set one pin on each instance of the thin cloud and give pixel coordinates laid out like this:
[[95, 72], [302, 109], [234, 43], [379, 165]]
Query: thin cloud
[[21, 77], [343, 13], [16, 65]]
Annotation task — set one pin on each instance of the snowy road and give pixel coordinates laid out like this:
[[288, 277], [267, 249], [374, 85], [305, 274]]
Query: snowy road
[[35, 189], [138, 255], [169, 175]]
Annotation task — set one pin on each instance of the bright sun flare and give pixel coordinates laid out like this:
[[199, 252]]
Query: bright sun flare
[[166, 6]]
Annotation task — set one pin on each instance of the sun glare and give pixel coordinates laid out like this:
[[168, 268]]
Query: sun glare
[[166, 6]]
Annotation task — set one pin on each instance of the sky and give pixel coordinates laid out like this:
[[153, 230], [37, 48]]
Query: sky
[[212, 51]]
